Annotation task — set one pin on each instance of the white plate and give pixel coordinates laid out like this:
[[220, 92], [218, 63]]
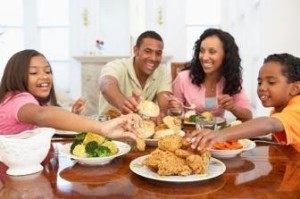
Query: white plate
[[216, 168], [153, 142], [247, 145], [62, 132], [123, 149], [219, 120]]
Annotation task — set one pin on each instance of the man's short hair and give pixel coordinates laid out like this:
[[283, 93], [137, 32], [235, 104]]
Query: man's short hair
[[148, 34]]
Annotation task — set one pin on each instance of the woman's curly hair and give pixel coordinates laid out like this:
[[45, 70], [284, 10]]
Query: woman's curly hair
[[290, 65], [231, 69]]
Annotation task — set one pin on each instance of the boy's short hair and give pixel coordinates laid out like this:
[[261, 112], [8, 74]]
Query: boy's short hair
[[290, 65]]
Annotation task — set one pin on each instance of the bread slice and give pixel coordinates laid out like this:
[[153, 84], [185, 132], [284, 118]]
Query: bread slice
[[148, 108], [147, 130]]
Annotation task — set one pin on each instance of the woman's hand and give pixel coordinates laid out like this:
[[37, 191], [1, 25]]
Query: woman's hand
[[123, 126], [226, 102], [79, 105]]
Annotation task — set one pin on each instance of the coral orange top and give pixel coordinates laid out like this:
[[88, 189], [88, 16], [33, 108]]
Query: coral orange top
[[290, 118]]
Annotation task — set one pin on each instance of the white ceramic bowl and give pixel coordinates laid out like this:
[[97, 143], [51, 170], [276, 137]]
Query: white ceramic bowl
[[93, 161], [23, 153], [247, 145]]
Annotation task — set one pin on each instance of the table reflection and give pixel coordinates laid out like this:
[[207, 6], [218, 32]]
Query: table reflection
[[267, 171], [28, 186], [156, 189]]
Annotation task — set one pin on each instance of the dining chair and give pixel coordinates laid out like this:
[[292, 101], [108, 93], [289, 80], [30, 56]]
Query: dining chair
[[176, 67]]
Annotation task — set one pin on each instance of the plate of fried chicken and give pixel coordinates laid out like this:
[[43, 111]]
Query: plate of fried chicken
[[174, 161]]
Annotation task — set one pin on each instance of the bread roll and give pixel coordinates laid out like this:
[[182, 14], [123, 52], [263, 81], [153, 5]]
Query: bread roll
[[147, 130], [161, 127], [162, 133], [172, 123], [148, 108]]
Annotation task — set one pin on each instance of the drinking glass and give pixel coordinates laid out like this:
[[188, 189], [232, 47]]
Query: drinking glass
[[177, 112], [100, 118], [203, 123]]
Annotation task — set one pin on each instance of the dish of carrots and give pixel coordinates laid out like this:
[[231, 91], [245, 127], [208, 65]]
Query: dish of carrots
[[228, 145]]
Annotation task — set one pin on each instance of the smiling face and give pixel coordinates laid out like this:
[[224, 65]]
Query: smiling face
[[273, 88], [148, 56], [211, 54], [40, 77]]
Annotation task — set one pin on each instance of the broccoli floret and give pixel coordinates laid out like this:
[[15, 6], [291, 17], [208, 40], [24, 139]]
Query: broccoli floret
[[193, 118], [200, 118], [78, 140], [103, 151], [80, 136], [91, 149], [107, 139]]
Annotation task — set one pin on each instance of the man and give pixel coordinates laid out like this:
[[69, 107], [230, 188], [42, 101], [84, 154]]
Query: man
[[124, 82]]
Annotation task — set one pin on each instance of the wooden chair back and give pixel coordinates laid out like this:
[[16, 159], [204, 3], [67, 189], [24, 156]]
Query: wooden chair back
[[176, 67]]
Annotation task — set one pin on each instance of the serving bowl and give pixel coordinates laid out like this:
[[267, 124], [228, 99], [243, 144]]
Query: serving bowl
[[123, 148], [224, 154], [23, 153]]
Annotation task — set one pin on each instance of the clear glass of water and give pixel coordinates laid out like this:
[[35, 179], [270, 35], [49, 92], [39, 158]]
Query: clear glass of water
[[100, 118], [203, 123]]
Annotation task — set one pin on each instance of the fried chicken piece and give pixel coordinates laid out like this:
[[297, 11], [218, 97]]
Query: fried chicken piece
[[173, 165], [155, 157], [113, 113], [199, 163], [170, 143], [186, 144], [170, 159], [140, 144], [182, 153]]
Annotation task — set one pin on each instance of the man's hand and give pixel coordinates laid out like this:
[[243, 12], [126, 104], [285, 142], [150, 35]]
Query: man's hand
[[79, 105], [130, 104]]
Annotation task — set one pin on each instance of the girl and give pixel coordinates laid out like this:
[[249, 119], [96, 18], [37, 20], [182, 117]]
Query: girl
[[27, 101], [278, 87]]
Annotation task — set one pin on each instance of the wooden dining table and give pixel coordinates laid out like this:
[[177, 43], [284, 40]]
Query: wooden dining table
[[268, 171]]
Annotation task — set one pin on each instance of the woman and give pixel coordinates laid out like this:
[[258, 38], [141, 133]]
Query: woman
[[27, 101], [213, 80]]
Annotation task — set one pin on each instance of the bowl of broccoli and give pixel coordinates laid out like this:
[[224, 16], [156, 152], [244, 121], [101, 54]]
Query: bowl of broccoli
[[93, 149]]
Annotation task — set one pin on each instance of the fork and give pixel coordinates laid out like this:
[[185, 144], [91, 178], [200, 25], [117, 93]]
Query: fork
[[172, 97]]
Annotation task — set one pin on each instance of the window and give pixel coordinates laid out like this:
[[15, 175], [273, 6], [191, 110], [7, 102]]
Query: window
[[11, 29], [32, 24], [200, 15]]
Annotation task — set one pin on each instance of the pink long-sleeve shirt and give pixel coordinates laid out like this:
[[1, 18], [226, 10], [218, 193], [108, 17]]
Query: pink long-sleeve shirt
[[189, 93]]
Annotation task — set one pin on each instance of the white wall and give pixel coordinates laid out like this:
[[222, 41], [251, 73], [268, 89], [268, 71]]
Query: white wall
[[107, 20], [261, 27]]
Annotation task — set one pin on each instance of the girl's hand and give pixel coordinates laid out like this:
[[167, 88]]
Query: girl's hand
[[123, 126], [79, 105]]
